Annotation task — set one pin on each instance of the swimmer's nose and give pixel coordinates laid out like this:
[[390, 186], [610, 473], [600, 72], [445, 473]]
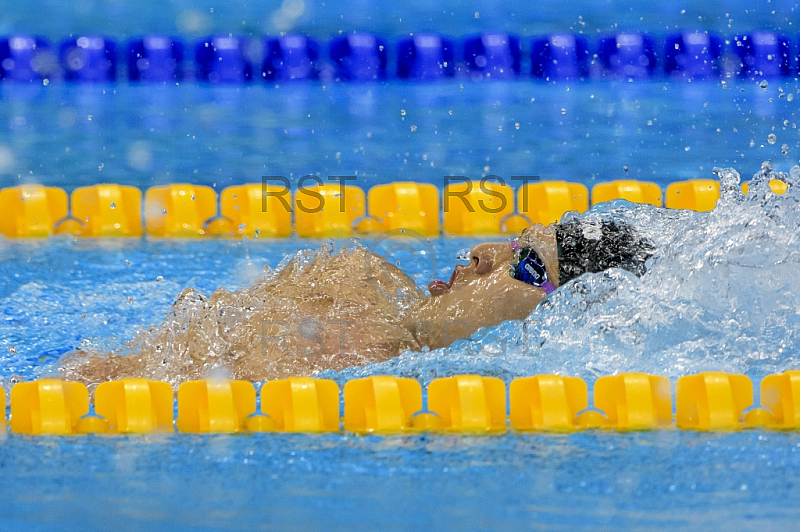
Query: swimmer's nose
[[483, 263]]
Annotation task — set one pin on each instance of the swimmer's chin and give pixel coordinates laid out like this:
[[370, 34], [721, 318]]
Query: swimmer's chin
[[437, 288]]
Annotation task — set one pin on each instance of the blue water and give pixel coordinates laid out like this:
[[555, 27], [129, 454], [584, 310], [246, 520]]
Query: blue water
[[322, 19], [72, 135], [661, 480], [724, 296]]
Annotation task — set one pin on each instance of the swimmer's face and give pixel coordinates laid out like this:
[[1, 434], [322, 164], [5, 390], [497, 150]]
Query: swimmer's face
[[483, 293]]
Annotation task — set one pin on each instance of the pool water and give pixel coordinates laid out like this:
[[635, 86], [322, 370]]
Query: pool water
[[72, 135], [658, 480], [721, 296]]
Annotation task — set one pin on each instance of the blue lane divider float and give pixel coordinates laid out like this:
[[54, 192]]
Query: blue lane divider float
[[687, 55], [26, 58], [693, 55], [425, 56], [155, 59], [627, 55], [561, 56], [493, 56], [222, 59], [359, 57], [764, 54], [89, 58], [290, 57]]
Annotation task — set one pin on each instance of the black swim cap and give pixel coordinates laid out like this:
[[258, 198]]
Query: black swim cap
[[591, 245]]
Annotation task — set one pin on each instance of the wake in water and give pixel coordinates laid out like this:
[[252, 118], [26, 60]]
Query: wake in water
[[721, 293]]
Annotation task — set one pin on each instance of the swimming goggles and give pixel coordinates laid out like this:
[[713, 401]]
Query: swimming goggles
[[529, 268]]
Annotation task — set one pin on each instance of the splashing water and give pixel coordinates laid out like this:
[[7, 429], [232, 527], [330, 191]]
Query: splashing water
[[721, 293], [318, 309]]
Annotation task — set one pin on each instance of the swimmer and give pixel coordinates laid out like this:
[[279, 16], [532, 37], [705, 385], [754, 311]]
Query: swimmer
[[328, 310], [507, 281]]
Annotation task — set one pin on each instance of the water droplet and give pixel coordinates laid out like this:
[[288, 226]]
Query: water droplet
[[789, 97], [113, 205], [159, 278], [563, 110], [771, 138], [763, 84], [785, 149], [402, 112], [12, 349], [463, 255]]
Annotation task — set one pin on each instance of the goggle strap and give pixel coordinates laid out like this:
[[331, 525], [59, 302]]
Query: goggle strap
[[548, 287]]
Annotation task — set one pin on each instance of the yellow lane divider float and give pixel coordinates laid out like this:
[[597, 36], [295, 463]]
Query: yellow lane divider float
[[464, 404], [633, 191], [324, 211], [31, 210]]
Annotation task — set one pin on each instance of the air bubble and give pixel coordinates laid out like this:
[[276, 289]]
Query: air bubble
[[763, 84], [772, 138], [785, 149]]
